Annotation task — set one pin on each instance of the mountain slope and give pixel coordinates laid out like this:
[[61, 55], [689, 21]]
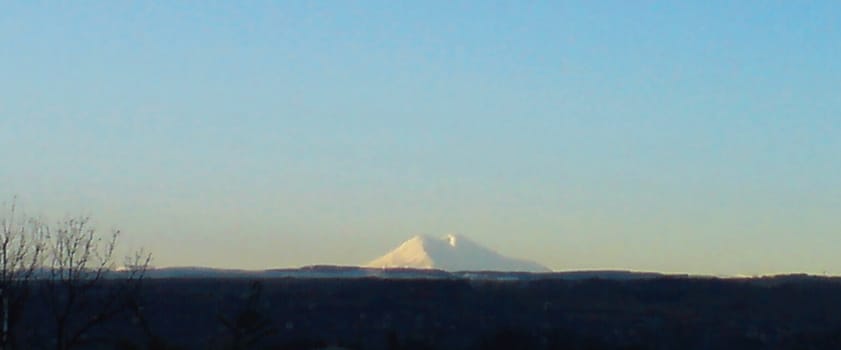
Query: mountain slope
[[451, 253]]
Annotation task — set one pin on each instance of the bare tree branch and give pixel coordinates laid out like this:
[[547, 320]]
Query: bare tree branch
[[84, 289], [22, 246]]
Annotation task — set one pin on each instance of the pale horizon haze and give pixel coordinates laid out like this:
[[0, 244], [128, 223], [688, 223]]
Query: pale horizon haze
[[700, 137]]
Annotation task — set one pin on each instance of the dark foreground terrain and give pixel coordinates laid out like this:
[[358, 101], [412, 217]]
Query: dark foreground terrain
[[369, 313]]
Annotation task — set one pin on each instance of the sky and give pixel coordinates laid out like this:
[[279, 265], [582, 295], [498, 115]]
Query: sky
[[698, 137]]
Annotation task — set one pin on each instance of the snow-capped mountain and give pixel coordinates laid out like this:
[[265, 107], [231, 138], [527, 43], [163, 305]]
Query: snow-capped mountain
[[451, 253]]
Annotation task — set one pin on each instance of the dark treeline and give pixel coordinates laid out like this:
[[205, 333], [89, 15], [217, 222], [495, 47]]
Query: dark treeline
[[666, 313]]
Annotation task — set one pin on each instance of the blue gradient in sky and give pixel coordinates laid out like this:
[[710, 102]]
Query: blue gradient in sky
[[699, 137]]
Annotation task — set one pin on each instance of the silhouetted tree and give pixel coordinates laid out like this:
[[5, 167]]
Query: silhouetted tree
[[249, 326], [507, 339], [22, 245], [392, 341], [150, 341], [82, 288]]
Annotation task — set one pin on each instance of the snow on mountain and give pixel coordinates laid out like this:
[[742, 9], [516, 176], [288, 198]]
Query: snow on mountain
[[451, 253]]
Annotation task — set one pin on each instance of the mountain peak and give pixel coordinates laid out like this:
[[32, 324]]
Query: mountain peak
[[451, 239], [452, 253]]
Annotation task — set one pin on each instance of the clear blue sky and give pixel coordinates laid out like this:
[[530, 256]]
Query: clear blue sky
[[700, 137]]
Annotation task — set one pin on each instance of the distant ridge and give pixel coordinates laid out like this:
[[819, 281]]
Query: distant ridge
[[351, 272], [332, 271], [451, 253]]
